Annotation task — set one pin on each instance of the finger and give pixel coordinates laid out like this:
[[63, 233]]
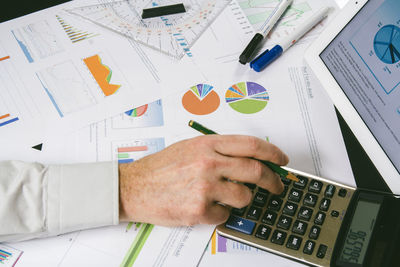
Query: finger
[[252, 171], [249, 146], [233, 194], [216, 214]]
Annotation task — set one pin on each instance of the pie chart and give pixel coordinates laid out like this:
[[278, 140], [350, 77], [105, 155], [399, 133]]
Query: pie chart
[[247, 97], [387, 44], [201, 99], [137, 112]]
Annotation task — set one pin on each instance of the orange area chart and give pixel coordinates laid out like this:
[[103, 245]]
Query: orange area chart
[[102, 74], [201, 100]]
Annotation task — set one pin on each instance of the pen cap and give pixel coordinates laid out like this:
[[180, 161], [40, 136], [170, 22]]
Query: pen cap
[[267, 58], [250, 48]]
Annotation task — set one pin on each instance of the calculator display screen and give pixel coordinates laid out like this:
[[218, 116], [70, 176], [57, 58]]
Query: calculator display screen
[[360, 231]]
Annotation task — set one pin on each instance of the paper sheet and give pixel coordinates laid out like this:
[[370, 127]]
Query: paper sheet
[[75, 73]]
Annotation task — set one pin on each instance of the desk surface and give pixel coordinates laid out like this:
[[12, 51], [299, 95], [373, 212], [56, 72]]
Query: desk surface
[[364, 171]]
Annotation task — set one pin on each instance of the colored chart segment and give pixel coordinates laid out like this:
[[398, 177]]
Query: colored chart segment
[[201, 100], [247, 97], [149, 115], [137, 112], [102, 74], [6, 119], [74, 34], [132, 150], [387, 44], [9, 256]]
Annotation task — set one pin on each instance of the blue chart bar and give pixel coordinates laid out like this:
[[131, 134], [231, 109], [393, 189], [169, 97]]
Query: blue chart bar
[[121, 161], [24, 48], [8, 122], [51, 97]]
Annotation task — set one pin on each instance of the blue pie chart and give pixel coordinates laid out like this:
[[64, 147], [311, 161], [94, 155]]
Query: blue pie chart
[[387, 44]]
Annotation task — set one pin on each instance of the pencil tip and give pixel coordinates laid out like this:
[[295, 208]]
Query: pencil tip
[[190, 122], [292, 177]]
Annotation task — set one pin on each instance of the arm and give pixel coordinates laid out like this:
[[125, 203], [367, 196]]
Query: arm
[[184, 184], [39, 201]]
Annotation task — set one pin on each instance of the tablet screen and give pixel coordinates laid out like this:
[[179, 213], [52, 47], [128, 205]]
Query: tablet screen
[[364, 58]]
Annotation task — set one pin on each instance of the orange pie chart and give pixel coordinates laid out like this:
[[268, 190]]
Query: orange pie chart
[[201, 100]]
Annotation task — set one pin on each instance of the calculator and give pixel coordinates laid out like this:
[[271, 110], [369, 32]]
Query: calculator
[[319, 222]]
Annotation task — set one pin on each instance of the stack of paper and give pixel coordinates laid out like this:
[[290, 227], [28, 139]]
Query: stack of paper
[[91, 94]]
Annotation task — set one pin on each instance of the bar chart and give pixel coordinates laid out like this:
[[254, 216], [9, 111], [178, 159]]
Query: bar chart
[[131, 150]]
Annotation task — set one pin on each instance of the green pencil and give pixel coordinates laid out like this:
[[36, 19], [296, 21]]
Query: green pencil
[[276, 168]]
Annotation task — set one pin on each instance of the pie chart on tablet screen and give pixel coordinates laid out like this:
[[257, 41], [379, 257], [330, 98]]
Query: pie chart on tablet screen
[[247, 97], [201, 99]]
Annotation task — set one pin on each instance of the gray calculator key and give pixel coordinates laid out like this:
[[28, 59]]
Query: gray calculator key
[[278, 237], [310, 200], [309, 247]]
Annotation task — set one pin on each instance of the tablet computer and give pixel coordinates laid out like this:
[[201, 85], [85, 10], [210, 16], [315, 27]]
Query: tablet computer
[[357, 59]]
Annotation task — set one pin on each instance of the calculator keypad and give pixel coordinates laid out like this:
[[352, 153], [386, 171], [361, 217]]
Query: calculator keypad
[[302, 222]]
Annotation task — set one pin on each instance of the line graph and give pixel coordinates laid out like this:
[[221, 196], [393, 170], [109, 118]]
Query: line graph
[[37, 40], [65, 88], [257, 11]]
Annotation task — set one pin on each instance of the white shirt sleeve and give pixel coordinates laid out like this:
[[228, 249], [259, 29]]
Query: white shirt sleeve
[[38, 201]]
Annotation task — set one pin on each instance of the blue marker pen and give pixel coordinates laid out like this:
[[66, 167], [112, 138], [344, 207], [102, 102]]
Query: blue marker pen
[[268, 56]]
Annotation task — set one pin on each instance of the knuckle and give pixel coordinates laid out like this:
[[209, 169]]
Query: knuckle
[[254, 143], [258, 170]]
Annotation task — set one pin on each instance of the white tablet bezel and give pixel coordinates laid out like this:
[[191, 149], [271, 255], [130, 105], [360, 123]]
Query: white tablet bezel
[[340, 100]]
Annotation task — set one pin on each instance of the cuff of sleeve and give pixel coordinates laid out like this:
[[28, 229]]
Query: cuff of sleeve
[[82, 196]]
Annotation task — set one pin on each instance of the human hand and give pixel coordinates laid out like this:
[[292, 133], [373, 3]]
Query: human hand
[[186, 183]]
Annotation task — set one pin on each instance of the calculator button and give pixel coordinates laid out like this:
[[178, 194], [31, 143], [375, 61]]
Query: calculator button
[[278, 237], [325, 203], [321, 251], [260, 199], [295, 195], [305, 213], [334, 213], [342, 192], [254, 213], [294, 242], [286, 181], [238, 212], [302, 183], [275, 203], [269, 217], [315, 186], [289, 208], [263, 232], [319, 218], [310, 200], [240, 224], [314, 232], [330, 191], [309, 247], [299, 227], [250, 186], [284, 222], [284, 192]]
